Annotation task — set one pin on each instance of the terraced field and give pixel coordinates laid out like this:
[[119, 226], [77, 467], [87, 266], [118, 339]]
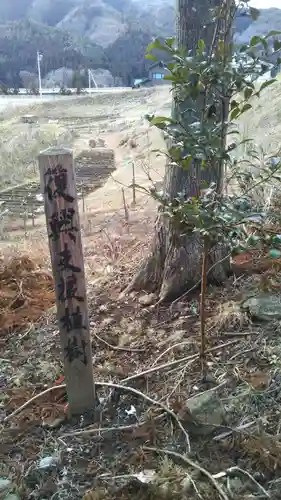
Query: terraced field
[[97, 128], [23, 202]]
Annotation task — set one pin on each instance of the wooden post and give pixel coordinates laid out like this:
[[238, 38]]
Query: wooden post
[[33, 216], [83, 199], [125, 206], [148, 151], [25, 216], [134, 183], [2, 222], [64, 234]]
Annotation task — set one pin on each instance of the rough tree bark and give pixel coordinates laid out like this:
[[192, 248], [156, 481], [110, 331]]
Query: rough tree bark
[[174, 264]]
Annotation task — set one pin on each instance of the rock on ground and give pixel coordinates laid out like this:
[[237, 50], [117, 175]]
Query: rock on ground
[[264, 307]]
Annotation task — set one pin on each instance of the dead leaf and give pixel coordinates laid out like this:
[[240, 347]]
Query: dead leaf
[[258, 380]]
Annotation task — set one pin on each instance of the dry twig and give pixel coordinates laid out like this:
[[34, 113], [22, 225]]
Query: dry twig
[[117, 348], [190, 462], [27, 403], [169, 364], [96, 430], [179, 344], [150, 400], [119, 428], [112, 386], [132, 377], [246, 473], [203, 311]]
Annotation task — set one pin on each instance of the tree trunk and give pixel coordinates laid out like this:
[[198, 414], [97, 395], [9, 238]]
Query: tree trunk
[[175, 261]]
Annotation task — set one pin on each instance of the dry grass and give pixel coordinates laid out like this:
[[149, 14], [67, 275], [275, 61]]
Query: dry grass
[[242, 369], [239, 420], [76, 123], [20, 145], [262, 123], [227, 316], [26, 292]]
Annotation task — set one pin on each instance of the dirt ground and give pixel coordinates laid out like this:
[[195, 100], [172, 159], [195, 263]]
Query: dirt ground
[[166, 434], [116, 119]]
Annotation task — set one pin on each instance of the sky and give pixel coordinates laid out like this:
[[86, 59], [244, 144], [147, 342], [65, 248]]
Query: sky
[[265, 4]]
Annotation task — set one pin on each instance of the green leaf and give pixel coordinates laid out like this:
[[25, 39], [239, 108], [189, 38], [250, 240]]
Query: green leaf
[[277, 45], [267, 84], [233, 132], [272, 33], [234, 113], [253, 240], [186, 162], [243, 48], [156, 44], [255, 40], [276, 240], [254, 13], [247, 93], [171, 66], [155, 120], [151, 57], [245, 108], [171, 78], [274, 253], [170, 42], [234, 104], [200, 47], [175, 153], [245, 141]]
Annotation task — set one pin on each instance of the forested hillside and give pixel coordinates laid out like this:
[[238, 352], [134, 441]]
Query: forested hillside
[[19, 42], [108, 34], [126, 55], [37, 10]]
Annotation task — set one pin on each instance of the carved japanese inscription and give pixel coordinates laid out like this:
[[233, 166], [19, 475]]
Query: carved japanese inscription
[[64, 235]]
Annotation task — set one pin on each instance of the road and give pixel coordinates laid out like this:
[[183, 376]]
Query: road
[[19, 101], [15, 101]]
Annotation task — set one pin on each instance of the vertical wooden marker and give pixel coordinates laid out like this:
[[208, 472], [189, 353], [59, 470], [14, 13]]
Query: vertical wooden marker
[[134, 183], [125, 206], [64, 234]]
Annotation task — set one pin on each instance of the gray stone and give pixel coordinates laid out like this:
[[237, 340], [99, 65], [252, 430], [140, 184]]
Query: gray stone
[[207, 407], [5, 484], [236, 485], [48, 462], [264, 307], [11, 496], [29, 119], [96, 143], [148, 299]]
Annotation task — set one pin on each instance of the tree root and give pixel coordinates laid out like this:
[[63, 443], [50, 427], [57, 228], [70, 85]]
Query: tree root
[[150, 273], [174, 265]]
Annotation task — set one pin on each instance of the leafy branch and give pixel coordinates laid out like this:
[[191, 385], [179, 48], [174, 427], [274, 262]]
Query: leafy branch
[[214, 87]]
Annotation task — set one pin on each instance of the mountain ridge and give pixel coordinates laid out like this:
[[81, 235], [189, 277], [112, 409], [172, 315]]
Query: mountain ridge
[[107, 34]]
